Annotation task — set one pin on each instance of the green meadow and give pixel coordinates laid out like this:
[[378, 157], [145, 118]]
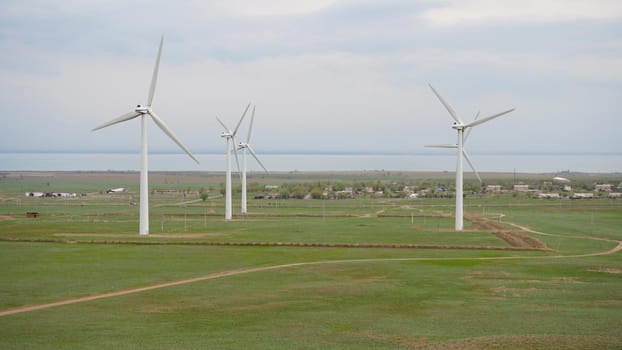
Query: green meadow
[[272, 280]]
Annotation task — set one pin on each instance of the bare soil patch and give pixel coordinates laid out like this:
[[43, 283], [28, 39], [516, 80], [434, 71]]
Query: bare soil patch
[[514, 238]]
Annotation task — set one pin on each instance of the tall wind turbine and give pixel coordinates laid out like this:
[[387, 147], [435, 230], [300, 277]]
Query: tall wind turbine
[[461, 127], [144, 112], [230, 136], [247, 146]]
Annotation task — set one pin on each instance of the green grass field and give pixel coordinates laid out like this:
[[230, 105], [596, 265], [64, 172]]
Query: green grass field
[[569, 296]]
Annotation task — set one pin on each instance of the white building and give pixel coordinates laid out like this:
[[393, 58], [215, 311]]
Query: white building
[[588, 195], [548, 196]]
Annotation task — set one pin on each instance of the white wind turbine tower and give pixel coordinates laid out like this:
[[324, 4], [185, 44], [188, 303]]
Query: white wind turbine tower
[[230, 136], [244, 146], [461, 127], [144, 112]]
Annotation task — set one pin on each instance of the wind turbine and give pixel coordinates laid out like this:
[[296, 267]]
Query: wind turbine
[[144, 112], [230, 137], [244, 146], [461, 127]]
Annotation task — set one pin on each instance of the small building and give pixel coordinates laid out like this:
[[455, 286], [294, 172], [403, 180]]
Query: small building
[[614, 195], [116, 190], [521, 188], [493, 188], [166, 191], [548, 196], [567, 188], [35, 194], [51, 194], [64, 195], [588, 195], [602, 187], [32, 214]]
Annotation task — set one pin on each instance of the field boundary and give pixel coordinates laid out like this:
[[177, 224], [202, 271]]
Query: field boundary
[[278, 244]]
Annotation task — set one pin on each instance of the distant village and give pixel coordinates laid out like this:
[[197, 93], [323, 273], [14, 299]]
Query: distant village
[[546, 190]]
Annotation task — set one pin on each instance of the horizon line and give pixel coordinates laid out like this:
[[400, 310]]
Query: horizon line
[[326, 152]]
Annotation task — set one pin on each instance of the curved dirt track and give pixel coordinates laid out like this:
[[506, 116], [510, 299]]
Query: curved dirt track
[[215, 275]]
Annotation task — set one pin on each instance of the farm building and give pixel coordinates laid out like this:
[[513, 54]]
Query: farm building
[[582, 196], [166, 191], [602, 187], [116, 190], [521, 188], [548, 196], [50, 194], [35, 194], [614, 195], [493, 188]]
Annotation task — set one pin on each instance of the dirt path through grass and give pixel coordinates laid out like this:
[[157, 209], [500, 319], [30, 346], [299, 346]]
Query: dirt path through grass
[[610, 251], [221, 274]]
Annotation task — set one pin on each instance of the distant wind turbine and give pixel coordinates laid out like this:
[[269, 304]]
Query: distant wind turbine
[[247, 146], [461, 127], [230, 137], [144, 112]]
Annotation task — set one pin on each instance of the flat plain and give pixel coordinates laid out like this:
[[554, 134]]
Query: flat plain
[[367, 272]]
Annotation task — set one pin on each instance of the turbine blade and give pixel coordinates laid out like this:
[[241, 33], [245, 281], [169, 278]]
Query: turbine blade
[[154, 78], [242, 118], [168, 132], [480, 121], [466, 156], [442, 146], [256, 158], [250, 127], [223, 125], [468, 131], [447, 106], [125, 117]]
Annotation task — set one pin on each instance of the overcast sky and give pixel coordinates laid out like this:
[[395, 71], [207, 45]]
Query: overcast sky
[[325, 75]]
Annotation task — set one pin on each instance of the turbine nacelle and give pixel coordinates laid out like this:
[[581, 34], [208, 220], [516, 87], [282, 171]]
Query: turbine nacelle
[[142, 109], [457, 126]]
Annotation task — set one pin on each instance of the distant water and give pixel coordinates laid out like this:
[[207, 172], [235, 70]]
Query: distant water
[[311, 162]]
